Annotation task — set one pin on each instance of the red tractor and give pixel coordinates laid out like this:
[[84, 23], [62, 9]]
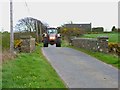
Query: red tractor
[[52, 37]]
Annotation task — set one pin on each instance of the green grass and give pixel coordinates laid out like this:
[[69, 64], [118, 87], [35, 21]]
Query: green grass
[[30, 70], [5, 40], [0, 61], [113, 37], [64, 43], [107, 58], [0, 76]]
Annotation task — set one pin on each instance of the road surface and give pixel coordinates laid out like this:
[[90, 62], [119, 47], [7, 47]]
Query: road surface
[[79, 70]]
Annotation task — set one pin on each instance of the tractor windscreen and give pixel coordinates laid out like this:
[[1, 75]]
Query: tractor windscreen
[[52, 31]]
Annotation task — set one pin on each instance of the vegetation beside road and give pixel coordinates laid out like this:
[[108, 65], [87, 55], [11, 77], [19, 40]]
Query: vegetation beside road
[[30, 70]]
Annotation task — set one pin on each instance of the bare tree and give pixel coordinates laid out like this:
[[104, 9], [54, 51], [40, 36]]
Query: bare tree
[[30, 24]]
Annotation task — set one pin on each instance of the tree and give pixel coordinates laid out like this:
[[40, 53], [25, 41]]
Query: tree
[[113, 29], [26, 24], [31, 25]]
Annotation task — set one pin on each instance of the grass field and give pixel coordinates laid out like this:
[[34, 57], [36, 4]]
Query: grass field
[[30, 70], [113, 37]]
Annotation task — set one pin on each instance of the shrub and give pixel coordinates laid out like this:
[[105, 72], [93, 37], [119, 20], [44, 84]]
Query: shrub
[[17, 43], [98, 29], [70, 32], [36, 43], [114, 48]]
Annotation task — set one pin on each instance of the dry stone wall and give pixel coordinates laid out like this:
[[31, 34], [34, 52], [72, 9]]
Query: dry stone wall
[[100, 44], [28, 44]]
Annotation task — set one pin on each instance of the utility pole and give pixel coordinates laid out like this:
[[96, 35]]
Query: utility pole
[[36, 25], [11, 28], [40, 31]]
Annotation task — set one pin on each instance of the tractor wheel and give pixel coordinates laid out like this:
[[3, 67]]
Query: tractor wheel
[[45, 44], [58, 43]]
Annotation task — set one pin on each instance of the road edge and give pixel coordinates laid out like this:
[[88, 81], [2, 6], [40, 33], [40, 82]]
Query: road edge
[[97, 59], [57, 71]]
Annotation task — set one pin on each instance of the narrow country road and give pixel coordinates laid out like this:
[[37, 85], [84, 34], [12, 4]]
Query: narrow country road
[[79, 70]]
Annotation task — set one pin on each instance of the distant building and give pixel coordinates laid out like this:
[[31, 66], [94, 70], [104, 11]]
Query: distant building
[[86, 27]]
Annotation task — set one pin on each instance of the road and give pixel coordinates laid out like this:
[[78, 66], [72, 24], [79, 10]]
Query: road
[[79, 70]]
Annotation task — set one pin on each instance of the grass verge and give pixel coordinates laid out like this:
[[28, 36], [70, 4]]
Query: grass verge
[[65, 43], [107, 58], [30, 70]]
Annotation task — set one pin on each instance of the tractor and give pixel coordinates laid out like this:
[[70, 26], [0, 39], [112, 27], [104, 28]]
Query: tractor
[[51, 36]]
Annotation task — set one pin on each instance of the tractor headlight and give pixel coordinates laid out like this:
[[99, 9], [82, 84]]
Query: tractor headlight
[[52, 38]]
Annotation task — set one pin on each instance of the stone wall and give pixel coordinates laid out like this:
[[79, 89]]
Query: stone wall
[[28, 44], [100, 44]]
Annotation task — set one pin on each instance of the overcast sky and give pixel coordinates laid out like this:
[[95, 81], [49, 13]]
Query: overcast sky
[[55, 13]]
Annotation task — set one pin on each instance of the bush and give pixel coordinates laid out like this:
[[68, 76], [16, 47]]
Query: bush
[[70, 32], [98, 29], [114, 48], [17, 43]]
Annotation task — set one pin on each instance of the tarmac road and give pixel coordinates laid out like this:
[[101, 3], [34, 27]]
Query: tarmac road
[[79, 70]]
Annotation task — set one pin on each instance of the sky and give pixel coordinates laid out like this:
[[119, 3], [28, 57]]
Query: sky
[[101, 13]]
